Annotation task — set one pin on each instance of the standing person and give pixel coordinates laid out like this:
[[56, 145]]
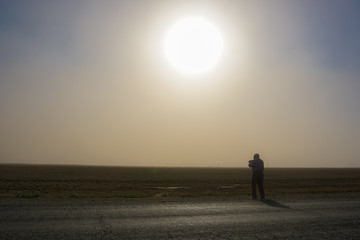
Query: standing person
[[257, 166]]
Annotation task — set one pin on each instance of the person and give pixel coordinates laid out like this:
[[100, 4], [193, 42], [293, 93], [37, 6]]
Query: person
[[257, 166]]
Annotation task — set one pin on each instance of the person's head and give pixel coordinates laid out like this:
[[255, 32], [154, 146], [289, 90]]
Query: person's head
[[256, 156]]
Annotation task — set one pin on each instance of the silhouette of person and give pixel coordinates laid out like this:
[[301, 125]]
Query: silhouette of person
[[257, 166]]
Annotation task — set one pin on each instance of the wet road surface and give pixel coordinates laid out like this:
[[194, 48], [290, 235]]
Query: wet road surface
[[323, 218]]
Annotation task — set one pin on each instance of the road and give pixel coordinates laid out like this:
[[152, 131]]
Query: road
[[283, 218]]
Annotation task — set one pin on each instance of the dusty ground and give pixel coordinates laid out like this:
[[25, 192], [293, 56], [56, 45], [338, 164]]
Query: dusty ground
[[310, 216], [56, 181]]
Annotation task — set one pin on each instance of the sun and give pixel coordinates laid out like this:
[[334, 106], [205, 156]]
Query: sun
[[193, 45]]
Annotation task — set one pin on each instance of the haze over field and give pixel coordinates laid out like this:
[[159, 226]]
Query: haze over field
[[88, 82]]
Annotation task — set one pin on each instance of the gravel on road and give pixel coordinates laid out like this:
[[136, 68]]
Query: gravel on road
[[329, 216]]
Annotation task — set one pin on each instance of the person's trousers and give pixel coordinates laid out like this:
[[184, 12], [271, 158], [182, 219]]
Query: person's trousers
[[257, 179]]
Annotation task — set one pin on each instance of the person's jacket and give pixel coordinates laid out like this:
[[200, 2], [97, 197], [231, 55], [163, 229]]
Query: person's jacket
[[257, 165]]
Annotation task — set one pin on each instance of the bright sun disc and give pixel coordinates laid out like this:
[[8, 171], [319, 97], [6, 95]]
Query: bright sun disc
[[193, 45]]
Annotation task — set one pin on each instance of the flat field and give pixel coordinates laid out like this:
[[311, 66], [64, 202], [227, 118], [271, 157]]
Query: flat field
[[66, 181]]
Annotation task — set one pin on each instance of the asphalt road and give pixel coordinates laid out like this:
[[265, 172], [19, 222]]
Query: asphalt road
[[327, 217]]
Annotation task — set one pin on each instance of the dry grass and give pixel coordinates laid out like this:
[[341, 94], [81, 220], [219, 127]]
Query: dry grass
[[54, 181]]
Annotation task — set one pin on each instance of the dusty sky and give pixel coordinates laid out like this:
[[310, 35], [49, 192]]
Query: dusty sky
[[87, 82]]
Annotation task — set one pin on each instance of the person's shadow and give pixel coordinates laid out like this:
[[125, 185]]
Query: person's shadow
[[273, 203]]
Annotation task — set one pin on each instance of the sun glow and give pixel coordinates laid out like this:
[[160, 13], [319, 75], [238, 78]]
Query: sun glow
[[193, 45]]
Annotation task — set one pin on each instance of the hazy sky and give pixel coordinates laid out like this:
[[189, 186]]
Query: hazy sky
[[87, 82]]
